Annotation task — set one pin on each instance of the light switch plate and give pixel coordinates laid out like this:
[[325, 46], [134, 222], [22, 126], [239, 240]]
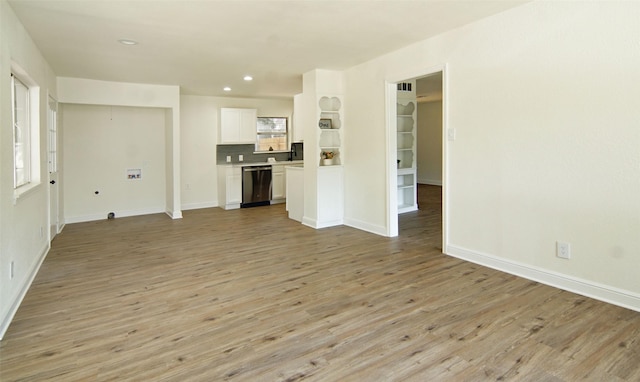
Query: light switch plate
[[451, 134]]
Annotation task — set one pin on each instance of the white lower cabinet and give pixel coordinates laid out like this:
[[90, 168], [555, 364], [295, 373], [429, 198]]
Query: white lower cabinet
[[407, 190], [295, 192], [234, 187], [229, 187], [330, 199], [278, 184]]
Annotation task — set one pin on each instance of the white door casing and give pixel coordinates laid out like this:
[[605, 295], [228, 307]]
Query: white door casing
[[52, 160], [391, 132]]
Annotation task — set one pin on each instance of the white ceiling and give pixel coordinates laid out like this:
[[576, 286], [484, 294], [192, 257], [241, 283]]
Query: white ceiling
[[205, 45]]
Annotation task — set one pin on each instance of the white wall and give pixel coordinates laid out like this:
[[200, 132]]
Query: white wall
[[429, 144], [101, 144], [166, 97], [200, 126], [199, 122], [24, 224], [365, 142], [544, 101]]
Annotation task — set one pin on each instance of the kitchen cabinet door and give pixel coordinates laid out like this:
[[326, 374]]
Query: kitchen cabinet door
[[234, 186], [278, 191], [278, 185], [248, 125], [238, 126], [297, 131], [229, 186]]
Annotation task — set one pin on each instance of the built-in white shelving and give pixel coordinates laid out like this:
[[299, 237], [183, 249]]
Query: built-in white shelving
[[406, 153], [322, 109], [329, 125]]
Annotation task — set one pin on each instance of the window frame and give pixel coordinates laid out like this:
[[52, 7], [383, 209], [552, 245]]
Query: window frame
[[52, 134], [285, 133], [21, 121], [32, 128]]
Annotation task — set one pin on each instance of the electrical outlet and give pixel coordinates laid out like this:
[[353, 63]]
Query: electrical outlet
[[41, 232], [563, 250]]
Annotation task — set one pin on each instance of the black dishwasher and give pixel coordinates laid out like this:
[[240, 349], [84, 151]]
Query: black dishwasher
[[256, 186]]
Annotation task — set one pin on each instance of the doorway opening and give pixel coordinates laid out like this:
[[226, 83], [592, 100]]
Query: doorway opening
[[416, 125]]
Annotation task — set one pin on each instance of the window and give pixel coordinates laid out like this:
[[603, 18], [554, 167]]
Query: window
[[21, 133], [25, 106], [52, 122], [271, 134]]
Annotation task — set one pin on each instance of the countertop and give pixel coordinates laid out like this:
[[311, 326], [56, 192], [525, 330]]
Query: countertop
[[279, 163]]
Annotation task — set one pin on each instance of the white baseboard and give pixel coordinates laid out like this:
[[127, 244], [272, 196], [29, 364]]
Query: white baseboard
[[314, 223], [372, 228], [15, 304], [309, 222], [612, 295], [197, 206], [174, 214], [119, 214]]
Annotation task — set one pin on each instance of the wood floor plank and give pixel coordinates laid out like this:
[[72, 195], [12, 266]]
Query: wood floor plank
[[250, 295]]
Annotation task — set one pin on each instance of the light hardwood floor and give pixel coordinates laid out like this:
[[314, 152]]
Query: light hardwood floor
[[249, 295]]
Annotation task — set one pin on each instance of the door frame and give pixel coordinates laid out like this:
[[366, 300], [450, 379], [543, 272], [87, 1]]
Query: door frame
[[54, 197], [391, 133]]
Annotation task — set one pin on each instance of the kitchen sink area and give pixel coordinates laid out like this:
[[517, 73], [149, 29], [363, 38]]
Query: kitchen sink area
[[250, 179]]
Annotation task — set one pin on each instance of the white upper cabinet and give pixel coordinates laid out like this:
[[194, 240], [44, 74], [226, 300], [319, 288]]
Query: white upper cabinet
[[238, 125], [298, 131]]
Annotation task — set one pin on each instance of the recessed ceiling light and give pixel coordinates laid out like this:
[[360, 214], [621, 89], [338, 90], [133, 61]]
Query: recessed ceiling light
[[248, 78], [126, 41], [227, 89]]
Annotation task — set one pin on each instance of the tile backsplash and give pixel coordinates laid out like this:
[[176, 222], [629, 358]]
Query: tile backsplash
[[247, 151]]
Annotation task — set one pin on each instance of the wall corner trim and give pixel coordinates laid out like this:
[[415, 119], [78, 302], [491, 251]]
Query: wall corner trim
[[364, 226], [174, 214]]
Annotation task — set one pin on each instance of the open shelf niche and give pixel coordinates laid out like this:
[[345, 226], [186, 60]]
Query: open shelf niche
[[329, 124]]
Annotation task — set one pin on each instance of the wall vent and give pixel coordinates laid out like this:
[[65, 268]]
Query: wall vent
[[404, 86]]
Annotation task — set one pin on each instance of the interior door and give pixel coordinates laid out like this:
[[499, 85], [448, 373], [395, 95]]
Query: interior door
[[52, 127]]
